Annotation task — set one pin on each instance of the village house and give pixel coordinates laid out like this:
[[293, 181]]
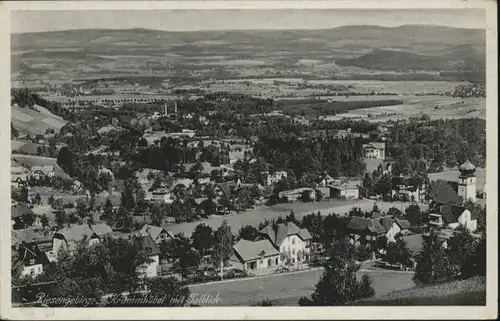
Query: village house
[[364, 230], [374, 150], [292, 242], [297, 194], [19, 176], [271, 179], [158, 234], [67, 237], [325, 180], [151, 250], [409, 189], [17, 211], [346, 190], [452, 216], [160, 195], [252, 256], [394, 226], [33, 259]]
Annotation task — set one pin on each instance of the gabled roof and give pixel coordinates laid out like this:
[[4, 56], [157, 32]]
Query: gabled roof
[[414, 243], [147, 245], [77, 232], [224, 187], [362, 224], [248, 250], [284, 230], [26, 235], [153, 231], [443, 192], [450, 213], [19, 210], [387, 222], [403, 224], [31, 251]]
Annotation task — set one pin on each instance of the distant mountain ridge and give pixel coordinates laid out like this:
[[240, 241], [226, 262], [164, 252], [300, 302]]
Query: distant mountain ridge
[[407, 47]]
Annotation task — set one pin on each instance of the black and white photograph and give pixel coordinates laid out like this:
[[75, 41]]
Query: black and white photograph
[[235, 157]]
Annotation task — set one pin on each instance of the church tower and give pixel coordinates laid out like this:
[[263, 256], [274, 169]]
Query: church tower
[[467, 182]]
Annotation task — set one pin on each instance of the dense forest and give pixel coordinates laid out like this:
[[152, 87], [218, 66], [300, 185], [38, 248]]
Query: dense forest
[[440, 142], [336, 157]]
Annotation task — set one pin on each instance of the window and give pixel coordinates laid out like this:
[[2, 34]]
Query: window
[[276, 261], [293, 252], [269, 262], [293, 240]]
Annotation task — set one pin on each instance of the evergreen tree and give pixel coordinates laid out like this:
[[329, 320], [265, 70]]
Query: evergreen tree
[[433, 265], [338, 284]]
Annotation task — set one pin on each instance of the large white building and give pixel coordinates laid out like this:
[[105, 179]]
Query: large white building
[[374, 150]]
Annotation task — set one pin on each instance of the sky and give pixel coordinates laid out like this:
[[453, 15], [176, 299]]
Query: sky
[[193, 20]]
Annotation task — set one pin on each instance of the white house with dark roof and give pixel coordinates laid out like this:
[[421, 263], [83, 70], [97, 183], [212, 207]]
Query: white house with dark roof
[[67, 237], [374, 150], [291, 241], [393, 226], [254, 255], [151, 250], [33, 259], [363, 230], [157, 233], [453, 216]]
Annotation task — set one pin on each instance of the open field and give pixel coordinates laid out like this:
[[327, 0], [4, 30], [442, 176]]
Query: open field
[[287, 289], [30, 160], [447, 107], [466, 292], [254, 217], [35, 122]]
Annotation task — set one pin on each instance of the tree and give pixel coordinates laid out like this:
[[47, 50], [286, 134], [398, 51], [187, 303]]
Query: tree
[[66, 160], [397, 253], [305, 196], [108, 210], [433, 265], [82, 207], [319, 195], [223, 248], [28, 218], [183, 255], [338, 284], [395, 212], [16, 268], [202, 238], [461, 248], [248, 232], [414, 215], [45, 220], [60, 218], [38, 199], [172, 292], [51, 200]]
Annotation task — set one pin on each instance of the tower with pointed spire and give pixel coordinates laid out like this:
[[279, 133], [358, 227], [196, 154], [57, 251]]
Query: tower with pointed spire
[[467, 182]]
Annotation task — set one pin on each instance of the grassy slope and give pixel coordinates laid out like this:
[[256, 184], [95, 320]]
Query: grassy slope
[[465, 292]]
